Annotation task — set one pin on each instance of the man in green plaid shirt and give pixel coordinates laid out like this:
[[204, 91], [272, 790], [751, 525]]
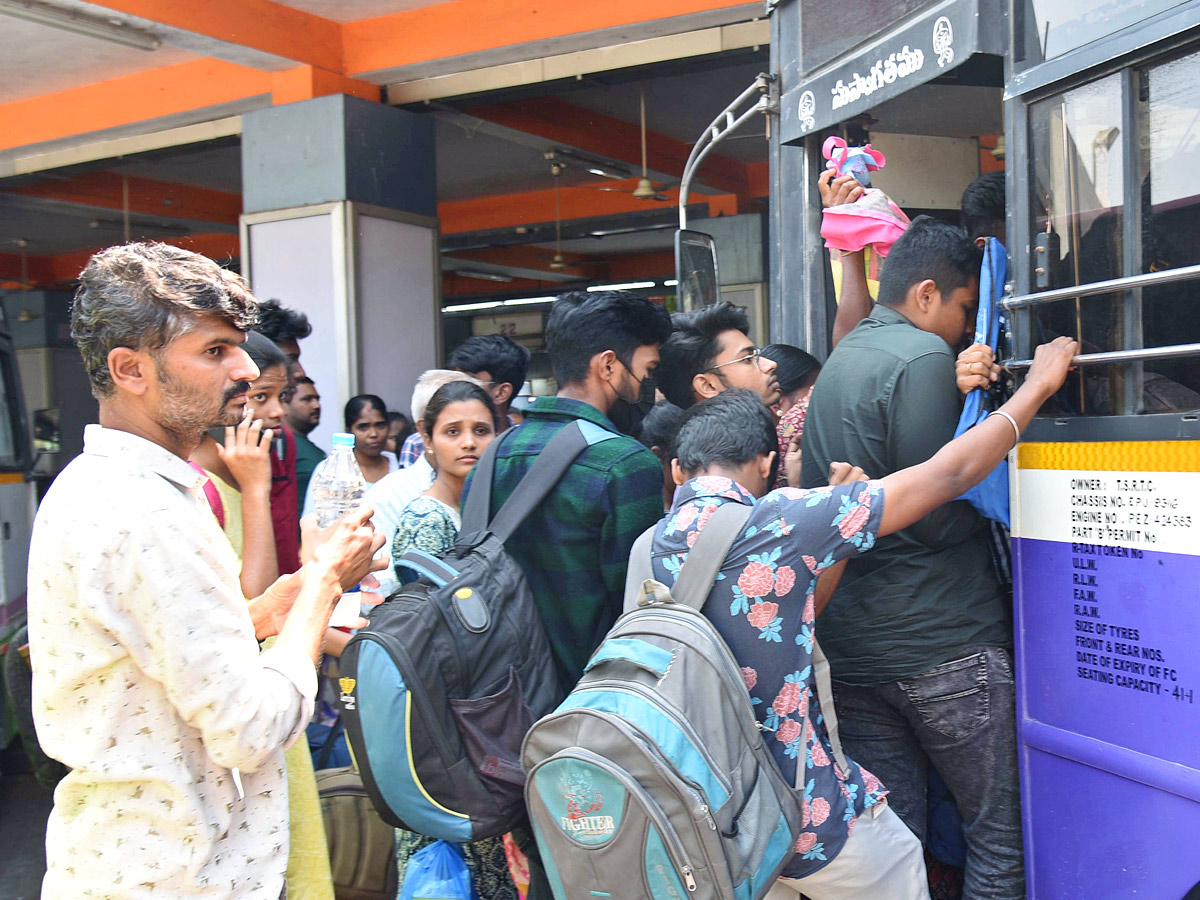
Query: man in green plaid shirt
[[574, 548]]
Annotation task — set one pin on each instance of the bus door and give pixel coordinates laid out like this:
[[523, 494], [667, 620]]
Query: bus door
[[921, 80], [1104, 222]]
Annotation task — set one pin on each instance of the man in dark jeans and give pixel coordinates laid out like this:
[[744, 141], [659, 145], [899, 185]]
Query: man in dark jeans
[[919, 633]]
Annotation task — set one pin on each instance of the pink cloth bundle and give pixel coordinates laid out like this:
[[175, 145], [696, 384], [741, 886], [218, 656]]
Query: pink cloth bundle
[[871, 220]]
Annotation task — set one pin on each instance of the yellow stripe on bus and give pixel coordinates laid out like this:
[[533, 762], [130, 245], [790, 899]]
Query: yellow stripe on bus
[[1112, 456], [412, 768], [12, 477]]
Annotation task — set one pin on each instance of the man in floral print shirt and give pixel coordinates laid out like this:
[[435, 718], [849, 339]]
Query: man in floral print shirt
[[763, 604]]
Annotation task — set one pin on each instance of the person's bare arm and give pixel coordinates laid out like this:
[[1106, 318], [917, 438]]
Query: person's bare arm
[[854, 298], [828, 581], [335, 641], [854, 301], [246, 454], [298, 606], [913, 493]]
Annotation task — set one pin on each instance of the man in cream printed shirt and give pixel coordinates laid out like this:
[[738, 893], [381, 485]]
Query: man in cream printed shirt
[[148, 680]]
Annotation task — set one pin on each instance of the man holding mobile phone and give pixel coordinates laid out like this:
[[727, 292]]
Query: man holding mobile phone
[[148, 679]]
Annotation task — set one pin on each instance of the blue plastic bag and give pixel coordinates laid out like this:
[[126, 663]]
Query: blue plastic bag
[[437, 872], [990, 496]]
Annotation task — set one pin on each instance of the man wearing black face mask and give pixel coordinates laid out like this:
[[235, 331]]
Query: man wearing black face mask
[[628, 416], [574, 548]]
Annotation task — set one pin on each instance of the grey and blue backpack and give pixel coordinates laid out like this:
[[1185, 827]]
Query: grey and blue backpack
[[439, 690], [651, 780]]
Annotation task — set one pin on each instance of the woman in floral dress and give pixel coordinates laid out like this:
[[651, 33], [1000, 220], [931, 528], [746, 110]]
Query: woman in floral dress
[[459, 423]]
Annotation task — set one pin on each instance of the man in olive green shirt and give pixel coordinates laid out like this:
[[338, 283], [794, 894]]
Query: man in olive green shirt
[[919, 632]]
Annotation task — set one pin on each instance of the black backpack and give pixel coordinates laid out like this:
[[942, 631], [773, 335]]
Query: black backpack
[[438, 691]]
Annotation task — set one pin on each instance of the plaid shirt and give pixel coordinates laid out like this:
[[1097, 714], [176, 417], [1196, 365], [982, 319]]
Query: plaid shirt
[[574, 548], [413, 449]]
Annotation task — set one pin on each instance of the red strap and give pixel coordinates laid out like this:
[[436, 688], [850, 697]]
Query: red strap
[[210, 494]]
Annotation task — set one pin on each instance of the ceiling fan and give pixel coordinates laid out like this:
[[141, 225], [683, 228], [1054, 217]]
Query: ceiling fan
[[646, 189], [558, 262]]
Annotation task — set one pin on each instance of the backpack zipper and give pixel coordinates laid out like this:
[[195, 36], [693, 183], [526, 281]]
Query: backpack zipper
[[671, 841]]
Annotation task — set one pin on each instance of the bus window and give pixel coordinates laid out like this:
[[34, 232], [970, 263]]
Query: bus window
[[1079, 182], [1092, 222], [1168, 111], [1049, 28]]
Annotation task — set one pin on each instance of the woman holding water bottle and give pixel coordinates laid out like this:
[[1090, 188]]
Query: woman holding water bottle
[[239, 493], [459, 423]]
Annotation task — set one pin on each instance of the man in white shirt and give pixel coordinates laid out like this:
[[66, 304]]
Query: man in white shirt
[[148, 680]]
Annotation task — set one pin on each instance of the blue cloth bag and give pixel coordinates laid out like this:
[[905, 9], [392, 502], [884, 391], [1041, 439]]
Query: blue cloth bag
[[437, 872], [990, 496]]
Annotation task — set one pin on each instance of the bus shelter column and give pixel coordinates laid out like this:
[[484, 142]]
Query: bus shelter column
[[340, 200]]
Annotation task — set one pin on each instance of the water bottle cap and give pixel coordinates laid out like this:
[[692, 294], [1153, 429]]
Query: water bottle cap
[[341, 439]]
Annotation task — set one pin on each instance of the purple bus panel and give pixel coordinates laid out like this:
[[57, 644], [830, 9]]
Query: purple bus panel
[[1108, 692]]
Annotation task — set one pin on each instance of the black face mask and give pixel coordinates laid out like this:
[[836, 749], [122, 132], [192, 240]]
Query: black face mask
[[628, 416]]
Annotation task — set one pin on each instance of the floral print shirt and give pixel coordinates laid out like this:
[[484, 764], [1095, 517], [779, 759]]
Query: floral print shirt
[[791, 423], [762, 605]]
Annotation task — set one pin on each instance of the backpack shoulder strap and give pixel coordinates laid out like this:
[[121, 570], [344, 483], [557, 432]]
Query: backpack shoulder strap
[[550, 466], [640, 569], [823, 683], [707, 555], [211, 495]]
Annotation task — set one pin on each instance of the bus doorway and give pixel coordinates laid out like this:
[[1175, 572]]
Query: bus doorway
[[937, 138], [922, 82]]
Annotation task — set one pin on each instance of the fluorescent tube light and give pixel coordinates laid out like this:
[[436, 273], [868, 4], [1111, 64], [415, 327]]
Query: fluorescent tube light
[[670, 282], [467, 307], [628, 286], [69, 20], [483, 276], [528, 300]]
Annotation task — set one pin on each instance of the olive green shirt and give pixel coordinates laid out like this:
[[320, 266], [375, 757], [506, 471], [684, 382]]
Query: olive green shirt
[[886, 400]]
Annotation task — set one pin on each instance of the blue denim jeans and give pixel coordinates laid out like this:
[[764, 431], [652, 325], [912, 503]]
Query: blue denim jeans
[[960, 717]]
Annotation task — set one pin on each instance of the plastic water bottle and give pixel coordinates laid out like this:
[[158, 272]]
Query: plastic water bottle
[[338, 487]]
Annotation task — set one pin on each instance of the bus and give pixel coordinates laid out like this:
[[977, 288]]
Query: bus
[[1092, 110]]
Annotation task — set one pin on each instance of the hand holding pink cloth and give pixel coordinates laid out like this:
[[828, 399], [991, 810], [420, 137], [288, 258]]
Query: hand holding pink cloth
[[872, 220]]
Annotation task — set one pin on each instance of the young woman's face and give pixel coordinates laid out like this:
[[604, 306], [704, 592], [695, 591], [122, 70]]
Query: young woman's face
[[370, 431], [460, 435], [268, 394]]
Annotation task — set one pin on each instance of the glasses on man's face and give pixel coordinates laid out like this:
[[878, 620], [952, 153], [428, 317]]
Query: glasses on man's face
[[755, 357]]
